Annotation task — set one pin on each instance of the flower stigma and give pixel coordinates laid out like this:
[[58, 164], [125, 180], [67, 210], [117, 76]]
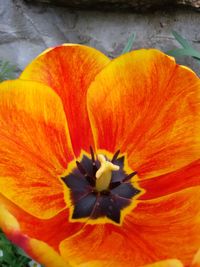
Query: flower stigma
[[104, 173], [99, 187]]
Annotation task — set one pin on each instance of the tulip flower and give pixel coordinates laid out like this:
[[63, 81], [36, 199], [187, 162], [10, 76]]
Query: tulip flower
[[177, 263], [100, 159]]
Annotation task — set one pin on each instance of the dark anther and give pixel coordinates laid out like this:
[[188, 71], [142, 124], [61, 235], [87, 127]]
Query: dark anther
[[92, 154], [114, 184], [91, 180], [128, 177], [93, 161], [80, 168], [115, 156]]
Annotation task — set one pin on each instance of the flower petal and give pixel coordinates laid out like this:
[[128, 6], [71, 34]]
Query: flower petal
[[148, 107], [196, 259], [102, 263], [106, 243], [69, 69], [44, 254], [156, 230], [38, 250], [185, 177], [44, 230], [35, 147], [166, 263], [8, 223], [169, 225]]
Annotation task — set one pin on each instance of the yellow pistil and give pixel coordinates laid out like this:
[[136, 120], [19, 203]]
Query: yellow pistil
[[104, 173]]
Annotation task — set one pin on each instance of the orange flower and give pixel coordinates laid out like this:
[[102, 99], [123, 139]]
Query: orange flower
[[100, 160], [176, 263]]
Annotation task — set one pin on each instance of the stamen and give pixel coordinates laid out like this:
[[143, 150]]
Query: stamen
[[104, 173], [92, 154], [80, 168], [99, 186], [90, 179], [113, 185], [115, 156], [93, 161], [128, 177]]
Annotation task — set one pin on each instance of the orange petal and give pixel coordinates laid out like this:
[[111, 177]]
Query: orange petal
[[44, 254], [106, 243], [8, 223], [102, 263], [44, 230], [148, 107], [169, 226], [163, 228], [69, 69], [38, 250], [166, 263], [171, 182], [35, 147], [196, 259]]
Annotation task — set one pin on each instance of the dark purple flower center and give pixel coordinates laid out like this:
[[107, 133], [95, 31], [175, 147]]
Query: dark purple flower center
[[88, 201]]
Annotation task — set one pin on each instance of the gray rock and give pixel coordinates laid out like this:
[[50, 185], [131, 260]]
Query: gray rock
[[122, 4], [26, 30]]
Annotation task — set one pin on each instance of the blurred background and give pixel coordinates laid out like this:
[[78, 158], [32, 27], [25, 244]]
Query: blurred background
[[27, 27]]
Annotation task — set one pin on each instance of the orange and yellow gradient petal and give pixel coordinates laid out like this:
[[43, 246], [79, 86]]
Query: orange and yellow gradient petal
[[175, 181], [196, 259], [156, 230], [35, 147], [166, 263], [68, 70], [52, 231], [176, 263], [37, 249], [147, 106]]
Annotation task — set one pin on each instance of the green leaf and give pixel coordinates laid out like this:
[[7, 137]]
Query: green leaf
[[186, 50], [129, 44], [20, 252], [181, 40], [7, 70], [12, 255]]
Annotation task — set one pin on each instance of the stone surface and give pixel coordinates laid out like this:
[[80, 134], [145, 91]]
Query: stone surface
[[26, 30], [122, 4]]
